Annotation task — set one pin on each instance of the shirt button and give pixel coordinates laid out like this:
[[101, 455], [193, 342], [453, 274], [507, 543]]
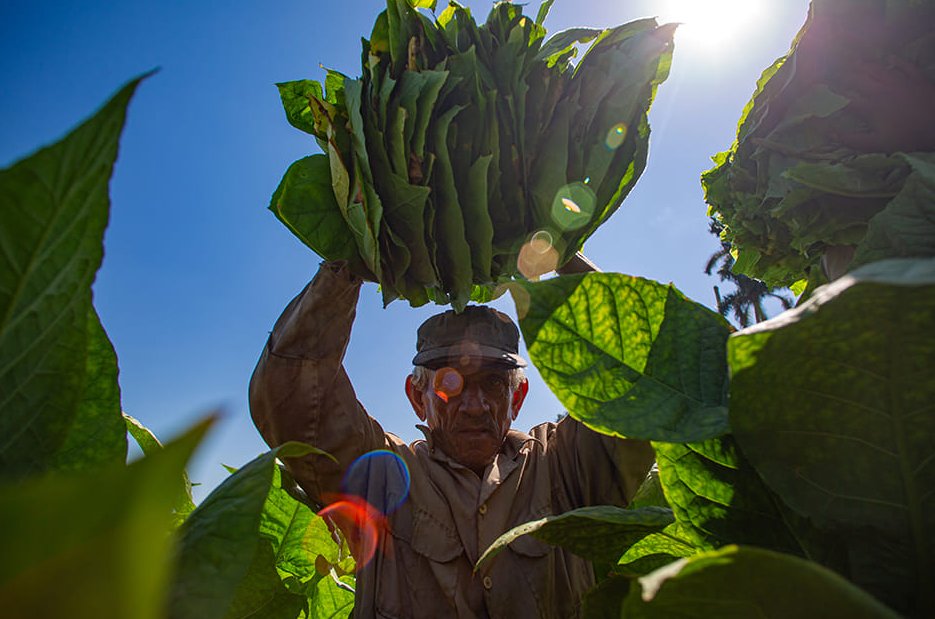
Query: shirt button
[[482, 509], [488, 583]]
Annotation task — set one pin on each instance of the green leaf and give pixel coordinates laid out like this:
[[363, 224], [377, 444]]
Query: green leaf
[[92, 545], [748, 582], [560, 43], [650, 492], [906, 227], [601, 533], [656, 550], [97, 435], [628, 356], [543, 11], [219, 541], [423, 4], [295, 101], [453, 257], [184, 503], [832, 403], [304, 202], [604, 600], [718, 498], [56, 372], [363, 217]]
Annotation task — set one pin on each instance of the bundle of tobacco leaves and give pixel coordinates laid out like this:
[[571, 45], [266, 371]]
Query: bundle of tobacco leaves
[[466, 155], [835, 149]]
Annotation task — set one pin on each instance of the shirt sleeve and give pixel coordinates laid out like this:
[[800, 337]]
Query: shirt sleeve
[[590, 468], [300, 391]]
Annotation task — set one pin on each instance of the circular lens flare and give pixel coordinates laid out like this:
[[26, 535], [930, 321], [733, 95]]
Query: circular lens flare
[[380, 476], [537, 256], [448, 383], [616, 136], [573, 206]]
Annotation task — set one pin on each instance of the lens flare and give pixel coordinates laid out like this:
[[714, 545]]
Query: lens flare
[[570, 205], [380, 476], [616, 136], [362, 525], [573, 206], [537, 256], [448, 383]]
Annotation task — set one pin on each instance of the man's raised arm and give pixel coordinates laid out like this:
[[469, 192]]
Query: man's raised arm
[[299, 390]]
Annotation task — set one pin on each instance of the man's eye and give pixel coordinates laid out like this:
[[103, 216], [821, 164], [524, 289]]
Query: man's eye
[[496, 381]]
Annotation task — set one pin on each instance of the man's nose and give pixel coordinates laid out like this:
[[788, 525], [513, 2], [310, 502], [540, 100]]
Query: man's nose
[[473, 399]]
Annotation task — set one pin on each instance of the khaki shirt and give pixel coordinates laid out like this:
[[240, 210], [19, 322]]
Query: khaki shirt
[[425, 564]]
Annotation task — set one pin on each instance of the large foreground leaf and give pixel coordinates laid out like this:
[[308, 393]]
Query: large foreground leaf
[[57, 375], [628, 356], [834, 403], [601, 533], [92, 545], [748, 582], [244, 552]]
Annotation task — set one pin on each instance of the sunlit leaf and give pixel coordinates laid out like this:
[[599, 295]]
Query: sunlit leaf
[[628, 356]]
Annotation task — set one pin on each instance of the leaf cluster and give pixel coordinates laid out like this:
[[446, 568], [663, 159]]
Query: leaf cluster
[[800, 449], [461, 142], [836, 147]]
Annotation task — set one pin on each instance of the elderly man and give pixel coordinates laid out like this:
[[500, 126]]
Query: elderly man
[[472, 478]]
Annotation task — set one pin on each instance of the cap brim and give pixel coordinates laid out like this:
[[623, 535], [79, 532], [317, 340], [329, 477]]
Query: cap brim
[[440, 357]]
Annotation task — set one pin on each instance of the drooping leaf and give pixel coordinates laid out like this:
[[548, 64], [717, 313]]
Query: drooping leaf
[[748, 582], [628, 356], [832, 403], [600, 533], [92, 545], [497, 169], [57, 371]]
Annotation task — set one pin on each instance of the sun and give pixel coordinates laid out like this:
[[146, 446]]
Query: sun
[[709, 23]]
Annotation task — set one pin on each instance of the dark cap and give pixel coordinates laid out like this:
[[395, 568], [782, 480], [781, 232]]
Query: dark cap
[[478, 333]]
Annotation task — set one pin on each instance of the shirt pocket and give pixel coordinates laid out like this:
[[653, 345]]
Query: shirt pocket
[[433, 539], [420, 575]]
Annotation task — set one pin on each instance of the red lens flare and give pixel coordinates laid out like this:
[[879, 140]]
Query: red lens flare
[[448, 383], [362, 524]]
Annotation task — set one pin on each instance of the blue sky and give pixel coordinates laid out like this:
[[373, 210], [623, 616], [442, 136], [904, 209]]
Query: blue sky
[[196, 270]]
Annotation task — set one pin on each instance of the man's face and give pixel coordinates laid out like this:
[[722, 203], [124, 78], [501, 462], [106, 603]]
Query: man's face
[[469, 412]]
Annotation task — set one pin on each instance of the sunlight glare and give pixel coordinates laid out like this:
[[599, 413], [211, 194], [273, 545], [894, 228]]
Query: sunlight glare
[[711, 23]]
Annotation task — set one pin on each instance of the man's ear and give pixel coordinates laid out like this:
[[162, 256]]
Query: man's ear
[[415, 398], [519, 396]]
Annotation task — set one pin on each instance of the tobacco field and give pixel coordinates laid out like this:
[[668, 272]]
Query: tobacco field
[[795, 468]]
